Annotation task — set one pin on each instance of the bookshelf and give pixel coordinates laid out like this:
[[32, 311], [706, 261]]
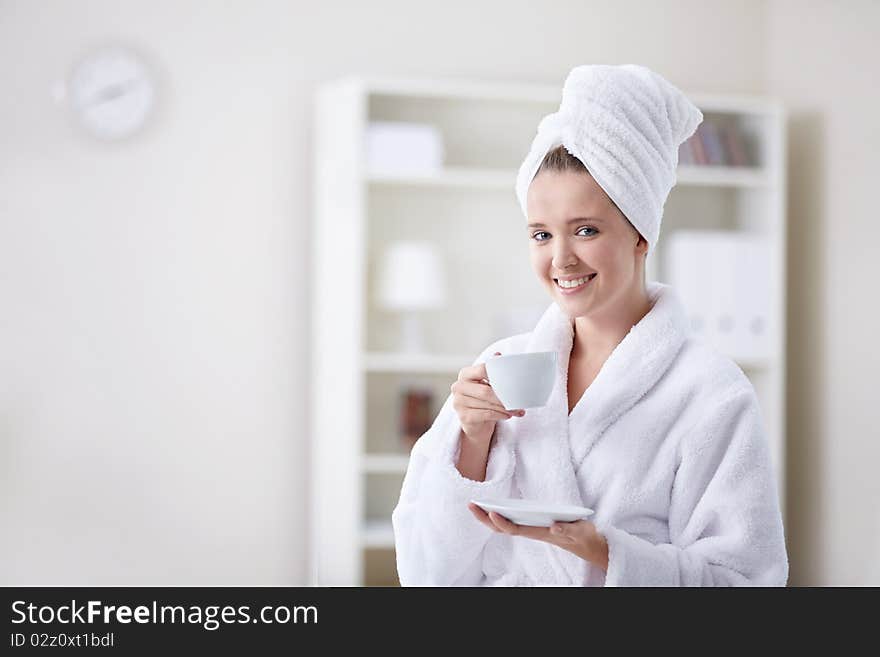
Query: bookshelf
[[469, 210]]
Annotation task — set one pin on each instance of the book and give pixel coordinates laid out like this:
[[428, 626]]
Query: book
[[712, 144], [685, 153], [734, 142], [415, 416], [697, 145], [724, 281]]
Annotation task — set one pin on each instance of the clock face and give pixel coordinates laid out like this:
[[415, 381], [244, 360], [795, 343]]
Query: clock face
[[112, 93]]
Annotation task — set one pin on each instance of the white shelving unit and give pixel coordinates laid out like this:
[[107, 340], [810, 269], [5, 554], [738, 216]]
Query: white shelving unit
[[470, 212]]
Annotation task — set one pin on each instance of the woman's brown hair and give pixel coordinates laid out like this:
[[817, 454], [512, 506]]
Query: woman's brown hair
[[559, 159]]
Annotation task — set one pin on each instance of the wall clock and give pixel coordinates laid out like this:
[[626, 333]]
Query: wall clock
[[112, 93]]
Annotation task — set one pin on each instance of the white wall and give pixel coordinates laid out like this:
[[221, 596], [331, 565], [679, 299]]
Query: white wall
[[153, 391], [823, 63]]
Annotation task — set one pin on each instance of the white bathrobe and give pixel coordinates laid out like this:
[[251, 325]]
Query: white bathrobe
[[666, 446]]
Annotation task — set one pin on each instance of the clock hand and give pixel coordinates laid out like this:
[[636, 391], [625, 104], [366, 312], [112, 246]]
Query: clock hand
[[113, 91]]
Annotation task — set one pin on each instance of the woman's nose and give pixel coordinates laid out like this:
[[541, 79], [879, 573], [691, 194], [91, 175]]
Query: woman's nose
[[563, 256]]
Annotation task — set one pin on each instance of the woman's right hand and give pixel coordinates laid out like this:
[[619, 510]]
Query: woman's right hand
[[476, 404]]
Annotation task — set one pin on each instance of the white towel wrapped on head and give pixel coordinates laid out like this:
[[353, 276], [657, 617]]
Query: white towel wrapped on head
[[625, 123]]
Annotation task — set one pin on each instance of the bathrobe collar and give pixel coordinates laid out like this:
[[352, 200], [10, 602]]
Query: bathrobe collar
[[550, 444]]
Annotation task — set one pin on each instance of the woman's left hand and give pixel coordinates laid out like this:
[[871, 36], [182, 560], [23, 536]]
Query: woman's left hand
[[579, 537]]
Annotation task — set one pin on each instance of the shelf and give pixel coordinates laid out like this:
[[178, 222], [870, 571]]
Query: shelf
[[754, 363], [504, 179], [541, 93], [717, 176], [352, 538], [378, 534], [451, 177], [422, 363], [385, 463], [457, 90], [401, 362]]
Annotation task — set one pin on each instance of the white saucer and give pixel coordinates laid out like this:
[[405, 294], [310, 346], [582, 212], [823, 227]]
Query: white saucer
[[534, 514]]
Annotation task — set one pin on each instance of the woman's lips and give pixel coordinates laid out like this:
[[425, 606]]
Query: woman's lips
[[575, 290]]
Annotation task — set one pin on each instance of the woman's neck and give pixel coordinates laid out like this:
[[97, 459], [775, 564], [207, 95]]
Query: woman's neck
[[596, 337]]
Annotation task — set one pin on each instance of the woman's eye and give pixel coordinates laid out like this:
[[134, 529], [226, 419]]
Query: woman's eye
[[537, 238]]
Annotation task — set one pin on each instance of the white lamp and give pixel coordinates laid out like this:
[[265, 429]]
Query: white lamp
[[411, 278]]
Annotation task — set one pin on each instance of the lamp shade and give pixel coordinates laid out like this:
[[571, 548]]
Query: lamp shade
[[411, 277]]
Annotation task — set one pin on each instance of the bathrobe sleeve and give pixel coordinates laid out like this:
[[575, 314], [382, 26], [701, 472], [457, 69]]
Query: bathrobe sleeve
[[725, 525], [438, 541]]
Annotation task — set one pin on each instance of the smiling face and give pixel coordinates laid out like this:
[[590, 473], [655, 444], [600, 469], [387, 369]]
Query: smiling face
[[582, 248]]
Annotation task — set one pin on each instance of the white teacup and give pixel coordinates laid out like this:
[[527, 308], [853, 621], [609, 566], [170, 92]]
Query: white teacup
[[522, 380]]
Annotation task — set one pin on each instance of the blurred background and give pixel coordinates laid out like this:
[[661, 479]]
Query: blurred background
[[156, 262]]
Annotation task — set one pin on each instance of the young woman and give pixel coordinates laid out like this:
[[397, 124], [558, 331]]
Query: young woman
[[652, 429]]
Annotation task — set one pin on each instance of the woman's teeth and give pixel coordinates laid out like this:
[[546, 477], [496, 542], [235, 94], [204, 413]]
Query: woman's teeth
[[568, 285]]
